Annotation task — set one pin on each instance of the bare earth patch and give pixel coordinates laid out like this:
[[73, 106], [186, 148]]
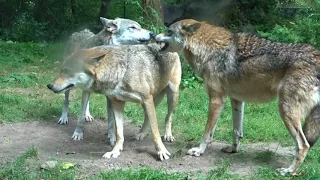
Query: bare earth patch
[[54, 141]]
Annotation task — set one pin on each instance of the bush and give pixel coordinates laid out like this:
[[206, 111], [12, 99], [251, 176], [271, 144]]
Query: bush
[[26, 28]]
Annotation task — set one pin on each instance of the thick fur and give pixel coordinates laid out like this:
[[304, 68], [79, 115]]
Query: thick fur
[[246, 67], [115, 32], [136, 73]]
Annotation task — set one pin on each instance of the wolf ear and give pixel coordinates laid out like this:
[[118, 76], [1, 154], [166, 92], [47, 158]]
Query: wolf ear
[[97, 59], [109, 24], [190, 29]]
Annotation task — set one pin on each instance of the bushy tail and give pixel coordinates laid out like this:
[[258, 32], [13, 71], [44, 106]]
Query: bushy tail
[[312, 126]]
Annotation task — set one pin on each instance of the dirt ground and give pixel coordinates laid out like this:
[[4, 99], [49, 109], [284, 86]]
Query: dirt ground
[[54, 142]]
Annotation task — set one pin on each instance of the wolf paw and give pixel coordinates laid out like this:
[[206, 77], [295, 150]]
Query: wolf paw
[[163, 155], [77, 135], [141, 135], [230, 149], [168, 138], [287, 171], [195, 152], [88, 118], [112, 154], [63, 120], [112, 138]]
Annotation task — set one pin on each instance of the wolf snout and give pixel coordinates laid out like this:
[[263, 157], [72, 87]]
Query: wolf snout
[[50, 86], [151, 34], [59, 89]]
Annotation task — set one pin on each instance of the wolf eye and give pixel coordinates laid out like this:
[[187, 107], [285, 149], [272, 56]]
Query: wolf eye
[[169, 32], [132, 27]]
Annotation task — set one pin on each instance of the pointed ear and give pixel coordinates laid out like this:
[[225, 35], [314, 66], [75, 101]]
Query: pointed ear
[[97, 59], [190, 29], [109, 24]]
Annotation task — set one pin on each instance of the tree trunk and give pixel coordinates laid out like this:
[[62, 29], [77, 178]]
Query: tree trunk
[[156, 5], [104, 8], [73, 7]]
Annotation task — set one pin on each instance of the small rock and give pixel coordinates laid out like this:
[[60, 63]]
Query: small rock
[[49, 165]]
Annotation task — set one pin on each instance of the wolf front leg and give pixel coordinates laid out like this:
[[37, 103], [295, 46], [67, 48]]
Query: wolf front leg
[[149, 107], [118, 110], [64, 116], [88, 117], [237, 116], [216, 104], [78, 132]]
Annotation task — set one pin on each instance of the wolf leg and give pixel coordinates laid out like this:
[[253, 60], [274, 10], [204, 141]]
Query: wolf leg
[[149, 107], [78, 133], [311, 126], [88, 116], [143, 132], [64, 116], [172, 99], [111, 123], [118, 110], [216, 104], [237, 116], [293, 125], [298, 96]]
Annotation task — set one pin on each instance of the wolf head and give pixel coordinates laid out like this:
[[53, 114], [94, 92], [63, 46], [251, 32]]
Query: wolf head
[[77, 71], [125, 32], [174, 39]]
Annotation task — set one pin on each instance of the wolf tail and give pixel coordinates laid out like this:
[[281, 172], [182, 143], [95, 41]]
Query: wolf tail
[[311, 127]]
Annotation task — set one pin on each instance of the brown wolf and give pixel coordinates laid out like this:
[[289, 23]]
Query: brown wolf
[[136, 73], [249, 68], [115, 32]]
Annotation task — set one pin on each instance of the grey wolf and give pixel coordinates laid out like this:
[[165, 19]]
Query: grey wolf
[[115, 32], [136, 73], [246, 67]]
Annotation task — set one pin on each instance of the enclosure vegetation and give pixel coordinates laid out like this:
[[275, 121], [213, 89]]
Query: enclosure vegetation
[[33, 33]]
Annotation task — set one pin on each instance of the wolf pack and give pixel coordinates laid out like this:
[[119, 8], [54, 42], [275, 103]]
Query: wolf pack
[[128, 63]]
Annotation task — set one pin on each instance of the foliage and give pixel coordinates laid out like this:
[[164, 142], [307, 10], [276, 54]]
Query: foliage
[[304, 28]]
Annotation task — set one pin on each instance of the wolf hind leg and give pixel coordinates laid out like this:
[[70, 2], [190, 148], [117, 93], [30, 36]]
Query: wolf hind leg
[[311, 127], [237, 117], [111, 123], [293, 124], [172, 101], [172, 91], [143, 132], [296, 103]]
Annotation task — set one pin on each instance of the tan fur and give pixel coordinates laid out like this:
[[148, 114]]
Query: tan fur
[[115, 32], [246, 67], [135, 73]]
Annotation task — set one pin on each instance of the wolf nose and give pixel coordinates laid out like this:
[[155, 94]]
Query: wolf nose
[[50, 86], [151, 34]]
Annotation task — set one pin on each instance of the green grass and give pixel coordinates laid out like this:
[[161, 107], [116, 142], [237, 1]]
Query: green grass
[[26, 68]]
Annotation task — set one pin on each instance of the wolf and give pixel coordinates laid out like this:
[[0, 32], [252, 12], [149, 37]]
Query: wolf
[[115, 32], [246, 67], [136, 73]]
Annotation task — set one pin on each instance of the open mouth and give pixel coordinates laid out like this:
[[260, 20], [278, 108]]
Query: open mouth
[[163, 45], [61, 90]]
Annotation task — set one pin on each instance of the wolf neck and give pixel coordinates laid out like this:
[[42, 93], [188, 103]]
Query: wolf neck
[[211, 49], [102, 38]]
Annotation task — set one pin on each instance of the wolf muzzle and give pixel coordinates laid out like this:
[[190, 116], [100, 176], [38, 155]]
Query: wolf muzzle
[[52, 88]]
